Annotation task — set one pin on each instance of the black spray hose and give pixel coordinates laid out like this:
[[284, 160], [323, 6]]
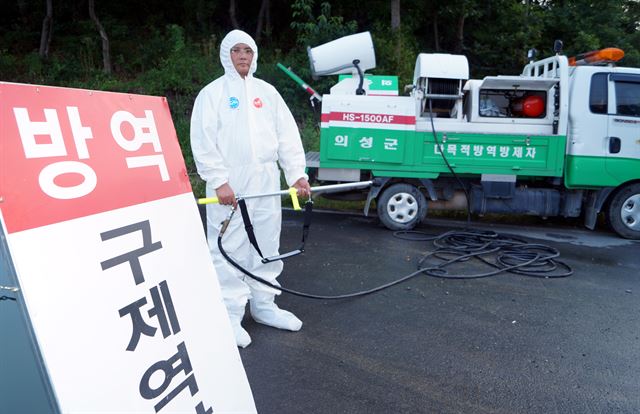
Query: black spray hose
[[513, 256], [441, 146], [225, 224]]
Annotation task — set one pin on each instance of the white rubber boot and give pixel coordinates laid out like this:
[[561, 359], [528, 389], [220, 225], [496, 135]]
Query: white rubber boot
[[242, 337], [265, 311]]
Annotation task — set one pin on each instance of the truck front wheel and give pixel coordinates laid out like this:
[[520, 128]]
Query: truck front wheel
[[401, 207], [624, 212]]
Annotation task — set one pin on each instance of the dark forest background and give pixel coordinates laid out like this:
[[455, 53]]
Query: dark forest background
[[170, 48]]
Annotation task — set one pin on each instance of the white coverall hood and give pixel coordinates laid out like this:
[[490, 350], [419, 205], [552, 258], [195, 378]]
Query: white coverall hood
[[230, 40]]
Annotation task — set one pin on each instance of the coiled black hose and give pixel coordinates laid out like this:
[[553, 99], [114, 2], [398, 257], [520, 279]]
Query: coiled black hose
[[499, 252]]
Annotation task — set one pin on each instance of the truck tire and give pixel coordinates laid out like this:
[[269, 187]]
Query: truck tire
[[623, 213], [401, 207]]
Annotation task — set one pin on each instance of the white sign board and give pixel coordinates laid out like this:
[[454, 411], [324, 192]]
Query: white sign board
[[111, 257]]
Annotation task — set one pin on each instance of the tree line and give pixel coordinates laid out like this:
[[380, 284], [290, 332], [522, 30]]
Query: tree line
[[494, 33]]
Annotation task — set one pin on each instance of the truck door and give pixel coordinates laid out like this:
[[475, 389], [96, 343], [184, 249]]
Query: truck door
[[623, 147]]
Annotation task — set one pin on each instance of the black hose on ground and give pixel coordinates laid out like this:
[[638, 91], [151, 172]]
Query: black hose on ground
[[310, 295], [502, 254]]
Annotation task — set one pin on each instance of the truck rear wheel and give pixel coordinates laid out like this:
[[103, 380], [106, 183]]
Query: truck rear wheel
[[624, 212], [401, 207]]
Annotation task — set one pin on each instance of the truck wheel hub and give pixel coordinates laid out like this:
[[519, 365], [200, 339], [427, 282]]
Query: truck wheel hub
[[402, 207], [631, 212]]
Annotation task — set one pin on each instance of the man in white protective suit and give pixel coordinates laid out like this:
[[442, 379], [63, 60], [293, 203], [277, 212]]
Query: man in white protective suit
[[241, 129]]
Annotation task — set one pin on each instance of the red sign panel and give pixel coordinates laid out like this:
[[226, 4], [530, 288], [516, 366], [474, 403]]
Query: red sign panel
[[69, 153]]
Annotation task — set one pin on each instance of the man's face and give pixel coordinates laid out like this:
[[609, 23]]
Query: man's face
[[241, 57]]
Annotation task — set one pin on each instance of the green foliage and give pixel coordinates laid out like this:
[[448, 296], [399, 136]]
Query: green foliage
[[182, 71], [198, 186], [396, 53], [502, 50], [315, 30], [585, 25]]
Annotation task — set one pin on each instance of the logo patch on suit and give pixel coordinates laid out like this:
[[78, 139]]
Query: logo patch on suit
[[234, 102], [257, 103]]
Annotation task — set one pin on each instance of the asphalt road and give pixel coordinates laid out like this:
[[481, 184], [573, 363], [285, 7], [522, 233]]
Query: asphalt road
[[504, 344]]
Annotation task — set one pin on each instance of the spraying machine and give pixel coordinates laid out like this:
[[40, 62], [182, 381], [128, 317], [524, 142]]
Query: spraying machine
[[560, 139]]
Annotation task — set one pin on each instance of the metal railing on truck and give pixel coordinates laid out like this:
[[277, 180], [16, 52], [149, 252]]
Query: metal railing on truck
[[554, 67]]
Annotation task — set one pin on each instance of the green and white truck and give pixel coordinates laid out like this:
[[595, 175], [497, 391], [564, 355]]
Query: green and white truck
[[560, 139]]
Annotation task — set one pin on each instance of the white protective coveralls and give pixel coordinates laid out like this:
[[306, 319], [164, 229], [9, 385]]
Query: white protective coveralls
[[240, 130]]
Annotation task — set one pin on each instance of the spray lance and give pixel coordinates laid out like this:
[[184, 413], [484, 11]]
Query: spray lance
[[293, 193]]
